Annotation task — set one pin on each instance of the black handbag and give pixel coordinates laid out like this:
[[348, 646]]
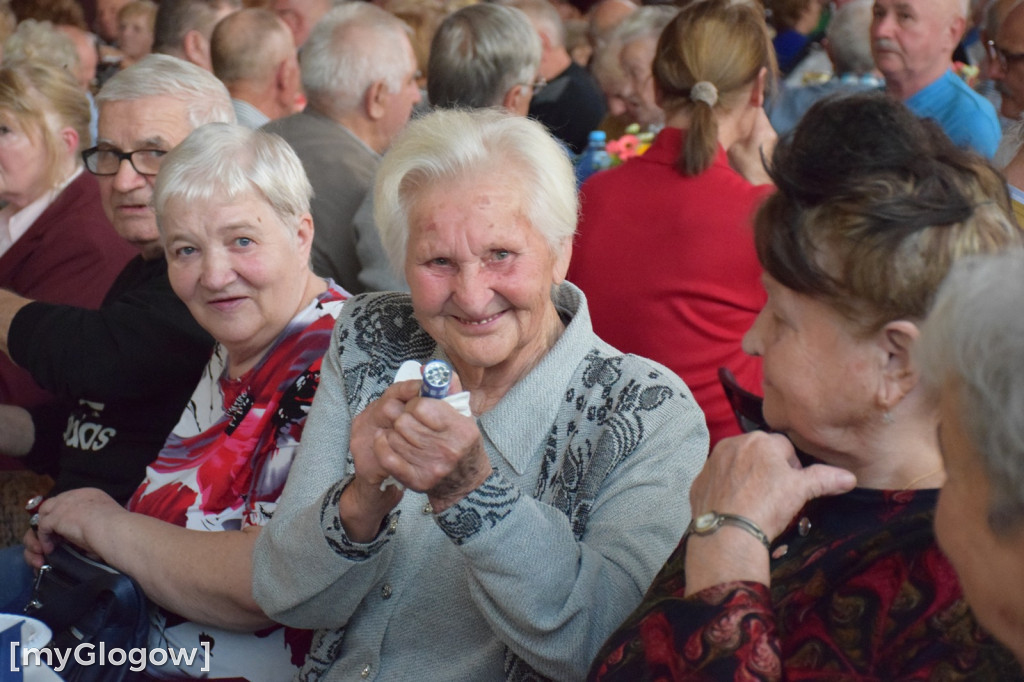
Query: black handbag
[[85, 601]]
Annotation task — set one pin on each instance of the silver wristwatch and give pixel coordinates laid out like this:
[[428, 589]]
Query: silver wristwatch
[[709, 523]]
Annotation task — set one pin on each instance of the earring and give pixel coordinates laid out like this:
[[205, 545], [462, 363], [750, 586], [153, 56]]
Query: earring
[[887, 418]]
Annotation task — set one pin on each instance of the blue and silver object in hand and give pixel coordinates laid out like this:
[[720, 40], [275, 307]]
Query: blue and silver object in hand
[[437, 377]]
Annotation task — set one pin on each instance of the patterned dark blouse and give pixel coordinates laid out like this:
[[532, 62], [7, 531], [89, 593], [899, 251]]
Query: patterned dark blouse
[[860, 591]]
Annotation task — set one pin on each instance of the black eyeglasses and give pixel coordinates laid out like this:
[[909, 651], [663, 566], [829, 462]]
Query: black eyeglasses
[[1004, 57], [108, 161], [537, 85]]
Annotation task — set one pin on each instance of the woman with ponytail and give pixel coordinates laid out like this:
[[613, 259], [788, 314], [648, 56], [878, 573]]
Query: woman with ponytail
[[665, 251]]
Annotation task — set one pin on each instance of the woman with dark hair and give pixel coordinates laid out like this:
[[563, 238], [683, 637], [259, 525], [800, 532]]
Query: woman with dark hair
[[665, 252], [825, 564]]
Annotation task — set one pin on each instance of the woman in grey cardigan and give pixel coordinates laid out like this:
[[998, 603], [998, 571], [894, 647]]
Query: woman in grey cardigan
[[517, 538]]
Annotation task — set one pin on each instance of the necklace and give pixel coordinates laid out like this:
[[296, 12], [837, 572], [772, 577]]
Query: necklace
[[921, 478]]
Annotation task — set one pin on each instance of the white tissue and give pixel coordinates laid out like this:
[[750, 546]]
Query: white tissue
[[411, 369]]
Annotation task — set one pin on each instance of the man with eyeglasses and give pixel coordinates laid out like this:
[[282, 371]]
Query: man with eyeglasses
[[126, 370], [570, 104], [912, 42], [1006, 61]]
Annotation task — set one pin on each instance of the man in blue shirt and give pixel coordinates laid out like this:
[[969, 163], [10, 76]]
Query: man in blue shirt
[[912, 42]]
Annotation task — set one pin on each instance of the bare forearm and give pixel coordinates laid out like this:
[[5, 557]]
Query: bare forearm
[[10, 304], [203, 576], [17, 431], [727, 556]]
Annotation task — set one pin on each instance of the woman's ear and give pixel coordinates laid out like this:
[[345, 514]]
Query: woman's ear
[[304, 234], [561, 264], [68, 138], [899, 374], [757, 92]]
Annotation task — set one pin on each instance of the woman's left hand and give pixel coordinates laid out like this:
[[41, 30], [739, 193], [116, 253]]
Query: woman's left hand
[[76, 516], [432, 448], [749, 155], [757, 476]]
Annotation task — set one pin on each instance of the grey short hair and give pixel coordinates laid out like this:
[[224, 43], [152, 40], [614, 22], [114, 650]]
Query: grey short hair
[[645, 22], [205, 98], [544, 17], [175, 18], [459, 144], [226, 161], [480, 53], [338, 64], [849, 37], [33, 40], [971, 342], [248, 45]]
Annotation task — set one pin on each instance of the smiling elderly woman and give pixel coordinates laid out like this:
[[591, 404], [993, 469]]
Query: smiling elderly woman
[[233, 211], [526, 531], [775, 580]]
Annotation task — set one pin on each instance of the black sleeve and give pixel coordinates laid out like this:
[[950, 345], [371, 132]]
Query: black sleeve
[[142, 338]]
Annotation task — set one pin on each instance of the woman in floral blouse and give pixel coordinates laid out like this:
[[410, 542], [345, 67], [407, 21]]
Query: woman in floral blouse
[[824, 565]]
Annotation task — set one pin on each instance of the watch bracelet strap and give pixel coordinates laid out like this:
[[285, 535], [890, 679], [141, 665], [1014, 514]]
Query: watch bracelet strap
[[737, 521]]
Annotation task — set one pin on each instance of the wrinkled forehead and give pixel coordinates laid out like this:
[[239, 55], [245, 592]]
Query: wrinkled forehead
[[144, 123]]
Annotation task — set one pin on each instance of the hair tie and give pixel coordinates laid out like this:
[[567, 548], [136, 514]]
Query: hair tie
[[702, 91]]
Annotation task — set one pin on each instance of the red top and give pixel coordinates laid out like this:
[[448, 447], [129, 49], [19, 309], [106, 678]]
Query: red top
[[669, 269], [71, 255]]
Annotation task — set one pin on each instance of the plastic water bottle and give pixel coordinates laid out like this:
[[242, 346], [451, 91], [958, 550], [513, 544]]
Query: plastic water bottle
[[594, 158]]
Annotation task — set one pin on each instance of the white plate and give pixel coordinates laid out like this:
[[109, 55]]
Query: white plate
[[34, 633]]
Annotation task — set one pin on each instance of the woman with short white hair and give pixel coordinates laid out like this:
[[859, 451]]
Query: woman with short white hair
[[524, 528], [233, 211]]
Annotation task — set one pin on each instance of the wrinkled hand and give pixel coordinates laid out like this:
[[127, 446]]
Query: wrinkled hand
[[758, 475], [432, 448], [76, 516], [377, 417], [424, 443], [745, 155]]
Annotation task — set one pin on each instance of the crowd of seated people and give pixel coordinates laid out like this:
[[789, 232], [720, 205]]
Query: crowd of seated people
[[223, 267]]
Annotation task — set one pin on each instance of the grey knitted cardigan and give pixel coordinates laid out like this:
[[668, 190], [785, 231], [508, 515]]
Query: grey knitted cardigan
[[593, 455]]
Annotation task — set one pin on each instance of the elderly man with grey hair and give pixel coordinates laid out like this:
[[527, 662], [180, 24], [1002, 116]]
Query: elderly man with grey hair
[[912, 42], [636, 39], [183, 28], [233, 211], [570, 104], [253, 54], [483, 55], [124, 371], [848, 46], [359, 73]]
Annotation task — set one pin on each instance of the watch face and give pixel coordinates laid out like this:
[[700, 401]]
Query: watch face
[[705, 522]]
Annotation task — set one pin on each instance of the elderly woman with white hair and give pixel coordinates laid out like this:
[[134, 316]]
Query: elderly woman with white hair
[[521, 531], [233, 211], [971, 350]]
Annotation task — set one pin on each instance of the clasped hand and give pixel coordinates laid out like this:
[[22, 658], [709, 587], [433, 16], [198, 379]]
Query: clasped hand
[[757, 476], [422, 442], [75, 516]]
